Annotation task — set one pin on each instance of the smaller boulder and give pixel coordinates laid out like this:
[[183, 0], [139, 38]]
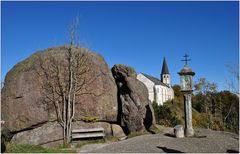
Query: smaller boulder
[[178, 131], [47, 135], [118, 132]]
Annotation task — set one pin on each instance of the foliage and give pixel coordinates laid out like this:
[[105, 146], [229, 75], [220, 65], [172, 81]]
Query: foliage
[[165, 116], [204, 102], [177, 91], [203, 86], [178, 97], [154, 129], [197, 102], [3, 144], [5, 137], [219, 109], [28, 148], [89, 119], [228, 104], [172, 112], [199, 120]]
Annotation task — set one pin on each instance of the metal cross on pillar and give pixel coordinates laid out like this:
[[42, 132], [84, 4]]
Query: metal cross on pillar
[[186, 75], [186, 59]]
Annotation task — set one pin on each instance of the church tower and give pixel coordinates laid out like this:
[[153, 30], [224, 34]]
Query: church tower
[[165, 76]]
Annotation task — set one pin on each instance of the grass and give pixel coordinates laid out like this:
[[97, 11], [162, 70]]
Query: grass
[[154, 130], [28, 148], [90, 141]]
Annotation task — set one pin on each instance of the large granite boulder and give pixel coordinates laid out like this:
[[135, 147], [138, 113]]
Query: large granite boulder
[[135, 111], [23, 96]]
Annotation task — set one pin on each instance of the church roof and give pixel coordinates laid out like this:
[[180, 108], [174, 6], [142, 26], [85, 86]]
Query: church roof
[[155, 80], [164, 67]]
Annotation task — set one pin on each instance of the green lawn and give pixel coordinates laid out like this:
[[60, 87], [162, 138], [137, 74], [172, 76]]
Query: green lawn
[[27, 148]]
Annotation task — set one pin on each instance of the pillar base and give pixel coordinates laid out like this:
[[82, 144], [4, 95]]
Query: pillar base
[[189, 132]]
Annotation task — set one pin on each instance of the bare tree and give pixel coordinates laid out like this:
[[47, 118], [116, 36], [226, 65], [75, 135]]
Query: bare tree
[[233, 79], [65, 76], [233, 87]]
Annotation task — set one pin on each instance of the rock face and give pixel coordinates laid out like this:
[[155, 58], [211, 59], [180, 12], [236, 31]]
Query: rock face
[[23, 103], [135, 110], [51, 133]]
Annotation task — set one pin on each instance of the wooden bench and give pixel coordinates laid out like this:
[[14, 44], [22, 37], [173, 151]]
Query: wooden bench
[[87, 133]]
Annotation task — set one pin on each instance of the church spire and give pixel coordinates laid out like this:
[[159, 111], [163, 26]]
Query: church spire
[[164, 67], [165, 76]]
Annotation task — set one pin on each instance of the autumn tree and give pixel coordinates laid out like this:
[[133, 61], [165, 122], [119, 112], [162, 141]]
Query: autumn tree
[[207, 90], [177, 90], [229, 103], [221, 108]]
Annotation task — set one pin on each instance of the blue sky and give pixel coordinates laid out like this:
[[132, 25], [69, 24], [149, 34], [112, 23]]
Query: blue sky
[[138, 34]]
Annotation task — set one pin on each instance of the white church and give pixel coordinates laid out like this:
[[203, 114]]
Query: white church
[[159, 90]]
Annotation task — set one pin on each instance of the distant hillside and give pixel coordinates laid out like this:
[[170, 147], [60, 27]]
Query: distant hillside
[[216, 111]]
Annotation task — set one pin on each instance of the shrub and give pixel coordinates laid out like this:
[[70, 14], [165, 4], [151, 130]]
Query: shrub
[[154, 130], [165, 116], [89, 119]]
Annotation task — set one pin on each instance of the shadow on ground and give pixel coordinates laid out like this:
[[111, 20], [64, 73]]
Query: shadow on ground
[[232, 151], [169, 135], [168, 150]]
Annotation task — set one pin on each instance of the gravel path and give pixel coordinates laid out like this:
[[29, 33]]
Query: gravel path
[[207, 141]]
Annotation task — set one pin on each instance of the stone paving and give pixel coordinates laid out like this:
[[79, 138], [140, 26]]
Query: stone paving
[[206, 141]]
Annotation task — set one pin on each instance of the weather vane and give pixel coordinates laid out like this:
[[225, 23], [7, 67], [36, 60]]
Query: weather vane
[[186, 59]]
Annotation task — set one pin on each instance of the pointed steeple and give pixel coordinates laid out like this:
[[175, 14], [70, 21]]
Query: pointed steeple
[[164, 67]]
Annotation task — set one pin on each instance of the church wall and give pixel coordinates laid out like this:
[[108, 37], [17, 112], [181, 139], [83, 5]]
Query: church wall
[[149, 84], [163, 94], [158, 93]]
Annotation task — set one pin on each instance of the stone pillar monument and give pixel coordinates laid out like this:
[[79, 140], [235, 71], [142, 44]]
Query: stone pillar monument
[[188, 114], [186, 75]]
